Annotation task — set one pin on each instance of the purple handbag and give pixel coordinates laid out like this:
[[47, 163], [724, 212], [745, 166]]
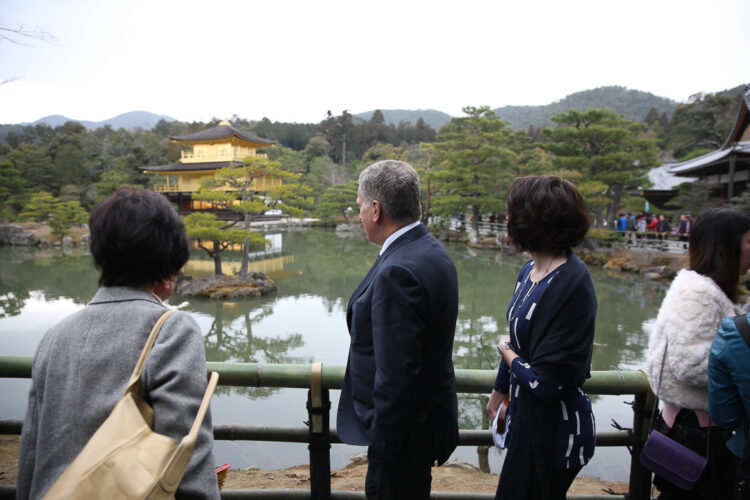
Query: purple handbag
[[674, 462], [666, 457]]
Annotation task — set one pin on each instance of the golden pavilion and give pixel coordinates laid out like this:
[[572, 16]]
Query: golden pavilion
[[204, 153]]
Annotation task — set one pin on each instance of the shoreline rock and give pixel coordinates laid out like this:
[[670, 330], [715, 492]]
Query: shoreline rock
[[13, 235]]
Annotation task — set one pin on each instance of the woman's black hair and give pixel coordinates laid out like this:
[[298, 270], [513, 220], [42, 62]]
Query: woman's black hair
[[546, 214], [716, 246], [137, 239]]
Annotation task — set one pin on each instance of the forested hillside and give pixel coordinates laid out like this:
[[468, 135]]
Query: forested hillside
[[634, 105], [431, 117]]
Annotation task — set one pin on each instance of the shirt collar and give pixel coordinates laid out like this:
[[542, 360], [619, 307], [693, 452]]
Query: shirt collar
[[393, 237]]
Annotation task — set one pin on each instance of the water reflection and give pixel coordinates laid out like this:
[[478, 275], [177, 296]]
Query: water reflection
[[231, 338], [50, 272], [305, 321]]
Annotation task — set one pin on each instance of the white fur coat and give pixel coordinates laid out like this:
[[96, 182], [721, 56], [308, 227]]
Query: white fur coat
[[687, 321]]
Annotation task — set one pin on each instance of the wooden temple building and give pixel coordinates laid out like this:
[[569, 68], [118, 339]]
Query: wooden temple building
[[727, 168], [204, 153]]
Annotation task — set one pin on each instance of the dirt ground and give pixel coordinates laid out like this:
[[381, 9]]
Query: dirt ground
[[454, 476]]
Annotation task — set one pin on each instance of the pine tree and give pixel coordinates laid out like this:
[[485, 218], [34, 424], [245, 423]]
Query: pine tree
[[471, 165], [611, 154]]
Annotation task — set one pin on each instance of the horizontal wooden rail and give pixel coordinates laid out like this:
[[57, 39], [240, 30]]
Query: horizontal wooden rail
[[612, 382]]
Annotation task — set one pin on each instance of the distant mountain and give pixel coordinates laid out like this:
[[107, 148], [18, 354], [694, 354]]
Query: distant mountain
[[129, 121], [633, 104], [431, 117], [51, 120]]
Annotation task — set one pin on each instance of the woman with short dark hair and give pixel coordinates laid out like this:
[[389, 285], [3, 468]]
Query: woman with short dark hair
[[137, 239], [677, 358], [82, 364], [547, 355]]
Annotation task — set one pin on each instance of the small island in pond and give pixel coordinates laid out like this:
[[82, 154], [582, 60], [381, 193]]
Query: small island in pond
[[255, 284]]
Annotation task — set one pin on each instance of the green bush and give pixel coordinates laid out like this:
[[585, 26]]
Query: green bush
[[607, 235]]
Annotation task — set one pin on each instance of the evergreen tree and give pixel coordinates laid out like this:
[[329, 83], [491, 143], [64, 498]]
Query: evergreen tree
[[611, 154], [701, 124], [471, 164], [236, 190], [651, 117], [423, 132], [206, 229], [695, 197], [39, 207], [377, 130], [34, 166], [59, 214], [109, 182], [340, 199], [64, 215], [12, 190]]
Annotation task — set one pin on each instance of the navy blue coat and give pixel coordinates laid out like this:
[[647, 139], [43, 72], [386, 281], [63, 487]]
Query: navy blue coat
[[399, 374], [559, 346]]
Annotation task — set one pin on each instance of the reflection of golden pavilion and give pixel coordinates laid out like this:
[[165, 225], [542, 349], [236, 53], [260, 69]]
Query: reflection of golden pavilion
[[208, 151], [271, 266], [268, 260]]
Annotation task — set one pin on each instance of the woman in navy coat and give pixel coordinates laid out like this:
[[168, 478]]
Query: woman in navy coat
[[547, 355]]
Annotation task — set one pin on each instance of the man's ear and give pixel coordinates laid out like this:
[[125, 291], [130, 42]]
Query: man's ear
[[377, 210]]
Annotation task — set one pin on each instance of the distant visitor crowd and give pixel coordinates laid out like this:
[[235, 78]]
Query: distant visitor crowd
[[653, 226]]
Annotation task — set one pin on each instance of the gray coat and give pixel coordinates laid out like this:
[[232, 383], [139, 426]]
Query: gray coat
[[80, 371]]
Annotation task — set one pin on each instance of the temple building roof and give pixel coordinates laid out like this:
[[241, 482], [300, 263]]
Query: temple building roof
[[187, 167], [662, 179], [737, 145], [710, 163], [223, 131]]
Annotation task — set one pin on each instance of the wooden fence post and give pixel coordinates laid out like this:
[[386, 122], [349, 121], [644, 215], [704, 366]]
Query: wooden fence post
[[318, 411]]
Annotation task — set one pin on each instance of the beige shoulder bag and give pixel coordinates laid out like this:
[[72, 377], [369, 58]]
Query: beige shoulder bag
[[125, 458]]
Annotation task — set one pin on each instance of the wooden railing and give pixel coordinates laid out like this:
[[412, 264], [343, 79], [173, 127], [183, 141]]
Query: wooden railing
[[320, 436]]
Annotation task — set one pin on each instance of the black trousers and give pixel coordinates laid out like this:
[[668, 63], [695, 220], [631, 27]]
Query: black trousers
[[409, 476], [718, 481]]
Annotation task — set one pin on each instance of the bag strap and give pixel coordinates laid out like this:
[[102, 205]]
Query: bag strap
[[658, 387], [743, 327], [180, 459], [134, 384]]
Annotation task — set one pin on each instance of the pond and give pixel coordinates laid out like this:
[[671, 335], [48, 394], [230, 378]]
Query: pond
[[316, 271]]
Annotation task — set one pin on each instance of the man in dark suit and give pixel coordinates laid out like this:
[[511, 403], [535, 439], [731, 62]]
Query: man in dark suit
[[399, 392]]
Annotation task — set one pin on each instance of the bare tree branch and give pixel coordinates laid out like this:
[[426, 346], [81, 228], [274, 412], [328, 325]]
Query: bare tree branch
[[19, 35]]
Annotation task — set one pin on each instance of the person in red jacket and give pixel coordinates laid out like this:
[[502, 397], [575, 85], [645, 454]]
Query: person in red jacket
[[651, 226]]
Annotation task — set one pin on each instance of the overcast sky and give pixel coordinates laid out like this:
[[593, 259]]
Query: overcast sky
[[294, 60]]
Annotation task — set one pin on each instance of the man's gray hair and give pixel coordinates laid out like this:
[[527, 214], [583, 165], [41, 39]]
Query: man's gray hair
[[395, 184]]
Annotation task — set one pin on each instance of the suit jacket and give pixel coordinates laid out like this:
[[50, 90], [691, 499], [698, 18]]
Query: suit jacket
[[80, 371], [399, 374]]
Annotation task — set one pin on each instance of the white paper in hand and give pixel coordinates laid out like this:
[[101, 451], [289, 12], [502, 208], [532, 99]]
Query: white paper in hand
[[499, 438]]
